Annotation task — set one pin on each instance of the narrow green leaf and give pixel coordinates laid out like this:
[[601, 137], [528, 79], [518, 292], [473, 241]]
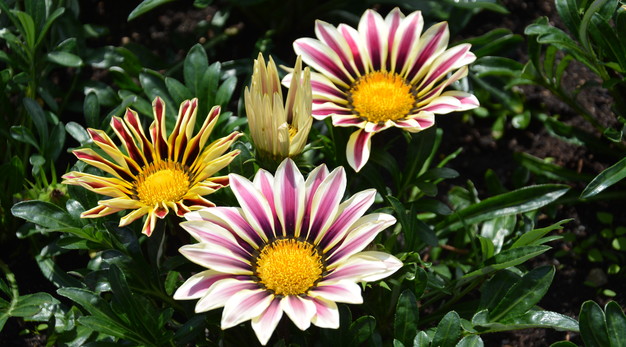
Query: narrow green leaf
[[406, 318], [523, 295], [615, 324], [530, 237], [146, 6], [592, 323], [605, 179], [27, 27], [56, 144], [448, 330], [518, 201], [177, 90], [532, 319], [53, 16], [78, 132], [23, 134]]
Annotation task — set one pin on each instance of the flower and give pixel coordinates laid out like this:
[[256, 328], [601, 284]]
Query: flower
[[152, 177], [387, 73], [278, 131], [292, 247]]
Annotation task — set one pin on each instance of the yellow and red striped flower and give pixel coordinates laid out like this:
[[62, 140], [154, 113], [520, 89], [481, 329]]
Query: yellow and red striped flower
[[386, 73], [293, 247], [152, 177]]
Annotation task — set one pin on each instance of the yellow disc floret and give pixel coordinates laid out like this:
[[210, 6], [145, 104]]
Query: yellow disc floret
[[160, 182], [289, 267], [380, 96]]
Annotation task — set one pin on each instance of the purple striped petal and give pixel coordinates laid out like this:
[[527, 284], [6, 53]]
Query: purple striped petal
[[348, 213], [300, 310], [393, 20], [265, 324], [417, 122], [353, 40], [431, 44], [323, 59], [232, 219], [358, 149], [197, 285], [361, 234], [322, 111], [245, 305], [405, 42], [204, 231], [343, 291], [311, 185], [374, 34], [325, 202], [289, 197], [326, 315], [449, 60], [329, 35], [468, 101], [255, 207], [216, 258], [222, 290], [348, 120], [365, 266]]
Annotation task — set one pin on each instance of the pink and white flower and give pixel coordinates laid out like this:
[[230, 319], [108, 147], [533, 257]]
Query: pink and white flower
[[293, 247], [386, 73]]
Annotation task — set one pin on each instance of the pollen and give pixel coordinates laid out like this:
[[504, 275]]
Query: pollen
[[380, 96], [289, 267], [160, 182]]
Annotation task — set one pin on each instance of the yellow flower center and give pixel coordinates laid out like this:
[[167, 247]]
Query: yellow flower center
[[293, 131], [289, 267], [381, 96], [163, 181]]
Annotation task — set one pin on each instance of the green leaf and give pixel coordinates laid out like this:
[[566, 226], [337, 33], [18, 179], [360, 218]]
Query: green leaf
[[56, 143], [225, 91], [494, 290], [544, 168], [471, 341], [38, 116], [564, 344], [78, 132], [53, 16], [506, 259], [532, 319], [194, 67], [361, 330], [605, 179], [27, 27], [47, 215], [530, 237], [146, 6], [91, 109], [406, 318], [592, 323], [65, 59], [615, 324], [177, 90], [23, 134], [448, 330], [523, 295], [421, 340], [518, 201], [568, 11], [486, 247]]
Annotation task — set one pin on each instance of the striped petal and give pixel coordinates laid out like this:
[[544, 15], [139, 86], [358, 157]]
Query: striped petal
[[326, 314], [197, 285], [342, 291], [220, 289], [348, 213], [289, 197], [255, 207], [216, 258], [323, 59], [232, 219], [210, 233], [245, 305], [331, 37], [299, 310], [366, 266], [358, 149], [265, 323], [374, 35], [325, 202]]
